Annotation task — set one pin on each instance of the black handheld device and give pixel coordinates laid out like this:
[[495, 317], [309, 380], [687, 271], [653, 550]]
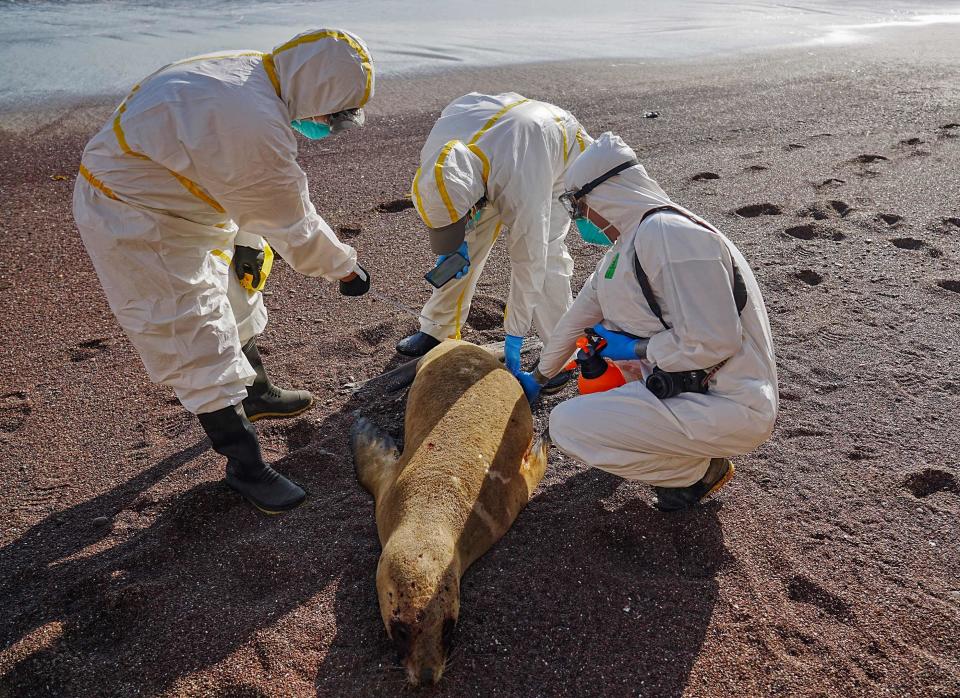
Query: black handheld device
[[446, 270]]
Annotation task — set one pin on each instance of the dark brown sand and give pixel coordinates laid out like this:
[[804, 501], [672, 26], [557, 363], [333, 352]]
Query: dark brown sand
[[828, 567]]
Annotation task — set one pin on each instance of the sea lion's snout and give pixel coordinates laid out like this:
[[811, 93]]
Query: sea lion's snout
[[423, 645], [418, 651], [422, 657], [420, 602]]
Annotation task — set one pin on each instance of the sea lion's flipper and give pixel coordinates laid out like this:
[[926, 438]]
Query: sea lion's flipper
[[535, 462], [375, 455]]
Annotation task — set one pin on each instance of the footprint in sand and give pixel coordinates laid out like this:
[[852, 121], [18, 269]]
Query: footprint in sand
[[178, 423], [794, 146], [890, 218], [797, 643], [810, 277], [703, 176], [915, 244], [755, 168], [802, 589], [754, 210], [930, 481], [955, 222], [802, 232], [830, 182], [862, 452], [377, 333], [949, 285], [821, 210], [347, 232], [297, 434], [15, 407], [809, 232], [949, 131], [88, 350], [914, 143], [907, 243], [868, 158], [841, 207], [395, 206]]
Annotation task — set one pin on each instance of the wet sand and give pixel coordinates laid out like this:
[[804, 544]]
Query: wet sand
[[828, 567]]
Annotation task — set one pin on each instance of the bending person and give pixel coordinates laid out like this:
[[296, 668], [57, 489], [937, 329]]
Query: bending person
[[496, 162], [198, 162], [698, 316]]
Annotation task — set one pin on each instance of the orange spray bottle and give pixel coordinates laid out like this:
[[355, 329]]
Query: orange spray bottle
[[596, 373]]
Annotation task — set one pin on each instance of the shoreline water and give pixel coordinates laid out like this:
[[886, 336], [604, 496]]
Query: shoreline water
[[65, 52], [906, 42]]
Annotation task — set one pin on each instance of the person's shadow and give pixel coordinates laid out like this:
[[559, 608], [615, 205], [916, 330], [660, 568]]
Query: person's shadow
[[84, 614], [592, 592]]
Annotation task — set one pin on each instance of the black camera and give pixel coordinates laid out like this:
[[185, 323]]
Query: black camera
[[664, 384]]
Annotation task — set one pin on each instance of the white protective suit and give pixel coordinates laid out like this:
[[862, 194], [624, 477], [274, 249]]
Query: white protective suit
[[627, 431], [515, 151], [201, 156]]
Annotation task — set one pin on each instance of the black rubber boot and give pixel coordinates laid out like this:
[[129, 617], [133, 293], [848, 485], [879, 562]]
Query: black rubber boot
[[719, 473], [557, 383], [265, 400], [233, 436], [417, 344]]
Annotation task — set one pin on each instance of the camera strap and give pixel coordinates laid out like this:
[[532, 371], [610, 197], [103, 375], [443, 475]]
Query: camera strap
[[739, 287]]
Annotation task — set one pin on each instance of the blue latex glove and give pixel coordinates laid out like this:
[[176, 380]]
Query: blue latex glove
[[530, 386], [511, 353], [462, 250], [619, 347]]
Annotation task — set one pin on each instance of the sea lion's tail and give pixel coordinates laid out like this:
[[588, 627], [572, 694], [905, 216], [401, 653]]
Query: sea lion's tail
[[375, 455]]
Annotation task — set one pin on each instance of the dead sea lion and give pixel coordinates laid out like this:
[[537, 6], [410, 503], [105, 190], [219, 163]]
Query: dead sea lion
[[468, 467]]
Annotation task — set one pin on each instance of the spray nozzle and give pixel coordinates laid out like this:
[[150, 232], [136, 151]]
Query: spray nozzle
[[596, 373], [590, 344], [588, 357]]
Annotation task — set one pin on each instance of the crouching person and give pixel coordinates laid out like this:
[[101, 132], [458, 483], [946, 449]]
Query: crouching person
[[678, 304]]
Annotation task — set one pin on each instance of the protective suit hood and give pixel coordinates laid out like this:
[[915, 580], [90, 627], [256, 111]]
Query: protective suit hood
[[322, 72], [448, 184], [623, 199]]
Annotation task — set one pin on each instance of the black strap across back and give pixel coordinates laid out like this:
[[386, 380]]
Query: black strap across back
[[739, 288]]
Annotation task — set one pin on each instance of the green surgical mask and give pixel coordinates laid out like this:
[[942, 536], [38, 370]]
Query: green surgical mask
[[313, 130], [591, 232]]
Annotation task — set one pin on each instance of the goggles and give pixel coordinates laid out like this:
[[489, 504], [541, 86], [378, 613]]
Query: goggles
[[571, 200], [347, 119]]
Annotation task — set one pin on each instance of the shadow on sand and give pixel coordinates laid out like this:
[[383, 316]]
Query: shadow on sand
[[581, 596], [576, 599]]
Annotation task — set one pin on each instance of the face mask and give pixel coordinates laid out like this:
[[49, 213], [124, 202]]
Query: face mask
[[311, 129], [591, 232]]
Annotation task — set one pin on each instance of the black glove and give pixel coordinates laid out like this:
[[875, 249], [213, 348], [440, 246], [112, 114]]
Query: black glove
[[247, 260], [359, 285]]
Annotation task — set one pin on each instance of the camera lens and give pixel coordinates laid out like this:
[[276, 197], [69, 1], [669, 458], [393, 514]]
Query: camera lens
[[662, 385]]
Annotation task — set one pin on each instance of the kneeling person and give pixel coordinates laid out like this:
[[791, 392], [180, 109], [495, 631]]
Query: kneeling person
[[672, 294]]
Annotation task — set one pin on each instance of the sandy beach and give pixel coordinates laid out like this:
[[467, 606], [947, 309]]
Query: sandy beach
[[828, 568]]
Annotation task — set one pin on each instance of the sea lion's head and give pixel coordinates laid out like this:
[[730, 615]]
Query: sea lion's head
[[420, 602]]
